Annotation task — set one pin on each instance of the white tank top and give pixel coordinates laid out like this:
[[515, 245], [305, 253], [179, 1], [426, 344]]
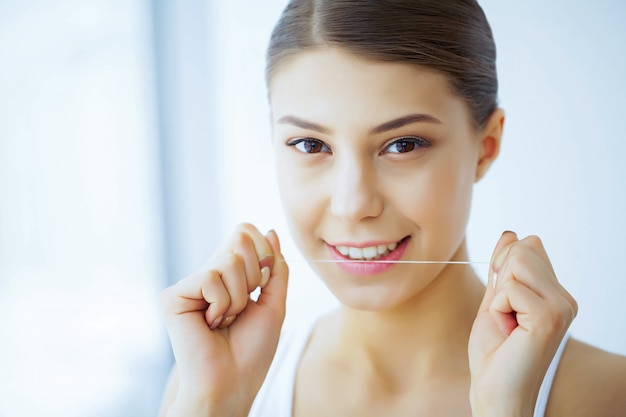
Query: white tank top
[[275, 398]]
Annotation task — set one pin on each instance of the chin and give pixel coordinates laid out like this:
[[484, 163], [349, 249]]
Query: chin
[[371, 298]]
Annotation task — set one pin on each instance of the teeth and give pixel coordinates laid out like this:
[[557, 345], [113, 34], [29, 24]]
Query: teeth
[[355, 253], [343, 250], [370, 252]]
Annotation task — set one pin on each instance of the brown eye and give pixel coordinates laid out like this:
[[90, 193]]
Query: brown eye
[[406, 144], [402, 146], [309, 145]]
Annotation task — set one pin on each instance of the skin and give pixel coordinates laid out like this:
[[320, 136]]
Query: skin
[[402, 337]]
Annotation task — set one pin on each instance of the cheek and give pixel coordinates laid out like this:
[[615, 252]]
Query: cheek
[[438, 200], [301, 199], [452, 195]]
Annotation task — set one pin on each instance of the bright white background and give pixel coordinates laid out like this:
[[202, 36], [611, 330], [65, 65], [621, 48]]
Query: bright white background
[[121, 167], [80, 216]]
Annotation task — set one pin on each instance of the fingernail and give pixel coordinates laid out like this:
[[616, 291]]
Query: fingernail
[[265, 276], [216, 322], [494, 278]]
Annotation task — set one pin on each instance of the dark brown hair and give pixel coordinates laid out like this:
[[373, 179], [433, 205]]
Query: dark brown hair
[[452, 37]]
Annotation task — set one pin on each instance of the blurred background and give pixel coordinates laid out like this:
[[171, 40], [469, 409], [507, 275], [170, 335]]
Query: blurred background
[[134, 137]]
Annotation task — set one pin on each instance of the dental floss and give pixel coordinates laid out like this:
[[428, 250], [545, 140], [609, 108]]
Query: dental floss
[[387, 262]]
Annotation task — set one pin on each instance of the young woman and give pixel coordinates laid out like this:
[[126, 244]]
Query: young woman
[[384, 115]]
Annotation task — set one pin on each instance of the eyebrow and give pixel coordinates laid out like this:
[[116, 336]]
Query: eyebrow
[[303, 124], [385, 127], [405, 120]]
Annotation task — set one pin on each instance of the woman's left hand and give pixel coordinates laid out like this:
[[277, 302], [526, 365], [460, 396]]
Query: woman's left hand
[[522, 319]]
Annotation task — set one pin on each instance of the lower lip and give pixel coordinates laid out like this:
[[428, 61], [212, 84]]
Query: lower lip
[[369, 267]]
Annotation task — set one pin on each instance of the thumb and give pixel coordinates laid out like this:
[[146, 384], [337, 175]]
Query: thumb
[[274, 294], [503, 245]]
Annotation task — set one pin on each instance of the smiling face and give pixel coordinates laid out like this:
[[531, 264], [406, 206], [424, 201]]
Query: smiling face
[[374, 160]]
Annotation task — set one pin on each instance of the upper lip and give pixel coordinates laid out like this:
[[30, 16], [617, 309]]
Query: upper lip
[[364, 244]]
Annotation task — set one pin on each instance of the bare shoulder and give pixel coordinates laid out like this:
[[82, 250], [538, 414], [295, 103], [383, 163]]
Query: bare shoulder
[[588, 382]]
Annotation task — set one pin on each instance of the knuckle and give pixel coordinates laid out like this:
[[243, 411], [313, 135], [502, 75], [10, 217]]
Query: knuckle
[[534, 241], [571, 308], [211, 277], [224, 263], [559, 317], [562, 315], [246, 228], [574, 305], [235, 261], [241, 241]]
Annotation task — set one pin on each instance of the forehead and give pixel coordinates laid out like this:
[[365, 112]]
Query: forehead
[[330, 79]]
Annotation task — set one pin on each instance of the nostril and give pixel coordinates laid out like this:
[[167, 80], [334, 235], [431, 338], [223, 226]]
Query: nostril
[[356, 199]]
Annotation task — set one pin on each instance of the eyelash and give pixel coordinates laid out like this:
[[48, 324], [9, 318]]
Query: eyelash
[[412, 142], [415, 142], [310, 142]]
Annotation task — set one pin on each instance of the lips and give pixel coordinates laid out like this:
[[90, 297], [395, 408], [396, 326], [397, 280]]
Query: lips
[[365, 258]]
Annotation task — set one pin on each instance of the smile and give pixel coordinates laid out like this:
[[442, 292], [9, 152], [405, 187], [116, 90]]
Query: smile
[[365, 257], [368, 253]]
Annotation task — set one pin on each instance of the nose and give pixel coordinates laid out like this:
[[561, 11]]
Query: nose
[[355, 193]]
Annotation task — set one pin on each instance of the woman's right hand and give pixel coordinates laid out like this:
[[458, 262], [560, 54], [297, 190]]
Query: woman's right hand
[[222, 340]]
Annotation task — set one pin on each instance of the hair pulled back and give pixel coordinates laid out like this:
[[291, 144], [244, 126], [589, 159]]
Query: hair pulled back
[[452, 37]]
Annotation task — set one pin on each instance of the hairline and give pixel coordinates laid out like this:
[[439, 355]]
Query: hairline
[[289, 55]]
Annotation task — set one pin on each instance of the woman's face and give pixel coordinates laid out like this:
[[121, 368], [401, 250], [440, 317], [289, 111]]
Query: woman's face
[[374, 161]]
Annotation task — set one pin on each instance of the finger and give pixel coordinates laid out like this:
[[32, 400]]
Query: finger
[[256, 251], [500, 252], [506, 239], [531, 312], [527, 263], [535, 244], [262, 247], [526, 266], [266, 273], [234, 278], [274, 294], [515, 305], [202, 292]]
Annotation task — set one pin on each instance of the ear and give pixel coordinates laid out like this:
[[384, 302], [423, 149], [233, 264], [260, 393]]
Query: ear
[[490, 140]]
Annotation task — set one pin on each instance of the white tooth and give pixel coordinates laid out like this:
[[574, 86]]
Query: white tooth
[[343, 250], [392, 246], [370, 252], [381, 249], [355, 253]]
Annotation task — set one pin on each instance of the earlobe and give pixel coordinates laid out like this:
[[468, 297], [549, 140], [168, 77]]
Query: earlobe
[[490, 140]]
